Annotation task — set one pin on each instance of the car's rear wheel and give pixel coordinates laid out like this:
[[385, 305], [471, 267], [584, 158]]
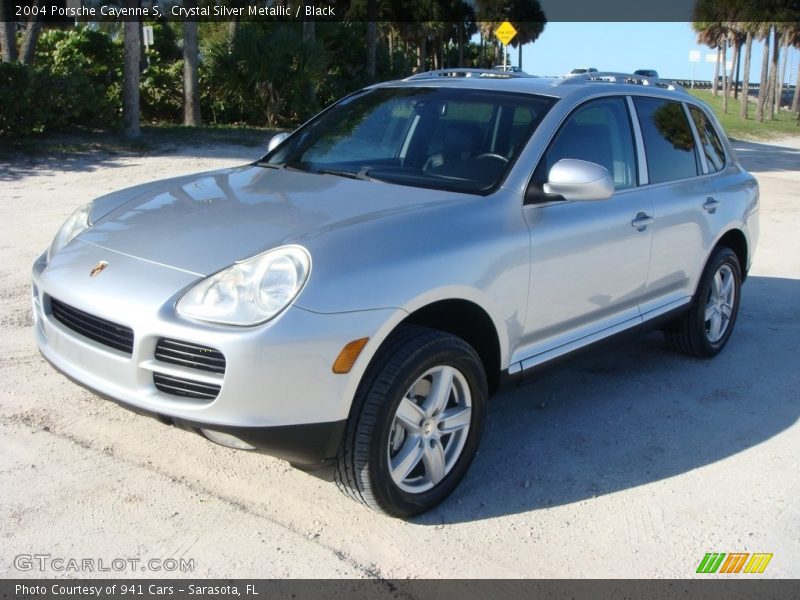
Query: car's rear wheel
[[705, 329], [416, 423]]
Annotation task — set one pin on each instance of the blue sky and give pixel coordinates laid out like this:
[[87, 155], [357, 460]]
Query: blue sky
[[626, 47]]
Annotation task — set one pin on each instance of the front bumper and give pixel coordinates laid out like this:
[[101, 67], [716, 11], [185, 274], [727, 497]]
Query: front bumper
[[278, 393]]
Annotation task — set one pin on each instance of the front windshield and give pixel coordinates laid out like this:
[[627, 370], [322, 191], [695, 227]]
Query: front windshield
[[454, 139]]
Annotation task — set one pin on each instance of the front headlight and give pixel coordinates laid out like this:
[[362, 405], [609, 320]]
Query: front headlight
[[77, 223], [251, 291]]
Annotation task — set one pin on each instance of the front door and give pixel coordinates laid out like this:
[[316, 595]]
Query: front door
[[589, 259]]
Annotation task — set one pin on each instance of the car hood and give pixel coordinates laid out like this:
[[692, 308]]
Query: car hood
[[205, 222]]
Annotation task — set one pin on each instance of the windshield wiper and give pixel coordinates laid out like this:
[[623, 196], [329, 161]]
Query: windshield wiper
[[284, 165], [363, 174]]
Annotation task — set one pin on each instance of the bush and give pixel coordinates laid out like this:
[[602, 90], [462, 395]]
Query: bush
[[76, 82], [269, 77], [161, 90], [15, 113]]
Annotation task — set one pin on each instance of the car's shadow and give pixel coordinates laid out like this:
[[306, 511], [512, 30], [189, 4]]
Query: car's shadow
[[763, 158], [636, 414]]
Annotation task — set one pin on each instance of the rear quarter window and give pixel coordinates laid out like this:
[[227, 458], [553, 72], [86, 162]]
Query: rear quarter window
[[668, 140], [709, 139]]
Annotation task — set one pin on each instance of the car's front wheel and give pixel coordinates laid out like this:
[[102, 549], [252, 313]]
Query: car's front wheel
[[705, 329], [416, 423]]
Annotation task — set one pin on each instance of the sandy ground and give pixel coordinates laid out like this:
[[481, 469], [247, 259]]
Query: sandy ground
[[630, 464]]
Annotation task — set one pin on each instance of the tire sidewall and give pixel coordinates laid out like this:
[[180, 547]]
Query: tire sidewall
[[722, 257], [442, 353]]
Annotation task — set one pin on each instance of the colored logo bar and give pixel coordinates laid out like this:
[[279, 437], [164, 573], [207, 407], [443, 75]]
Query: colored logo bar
[[734, 562]]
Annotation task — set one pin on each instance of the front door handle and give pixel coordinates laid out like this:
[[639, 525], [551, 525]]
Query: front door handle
[[710, 205], [641, 221]]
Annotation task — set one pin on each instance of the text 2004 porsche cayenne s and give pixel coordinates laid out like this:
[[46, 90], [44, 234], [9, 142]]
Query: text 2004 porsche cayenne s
[[349, 302]]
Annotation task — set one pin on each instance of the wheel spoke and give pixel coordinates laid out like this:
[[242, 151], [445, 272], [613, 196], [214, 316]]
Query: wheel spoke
[[408, 458], [711, 310], [433, 459], [726, 291], [715, 327], [727, 310], [455, 419], [410, 415], [437, 400], [716, 285]]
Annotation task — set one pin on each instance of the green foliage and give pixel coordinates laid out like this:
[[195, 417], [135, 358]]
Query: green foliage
[[268, 76], [75, 83], [161, 90]]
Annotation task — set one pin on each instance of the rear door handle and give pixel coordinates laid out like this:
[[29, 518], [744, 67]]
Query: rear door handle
[[711, 205], [641, 221]]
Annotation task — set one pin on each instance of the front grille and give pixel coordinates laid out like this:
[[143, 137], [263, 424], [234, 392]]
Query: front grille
[[190, 355], [178, 386], [101, 331]]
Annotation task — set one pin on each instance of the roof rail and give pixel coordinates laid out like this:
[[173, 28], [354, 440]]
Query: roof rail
[[609, 77], [465, 72]]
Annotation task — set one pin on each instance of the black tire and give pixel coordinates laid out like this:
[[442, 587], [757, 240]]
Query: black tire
[[363, 465], [690, 334]]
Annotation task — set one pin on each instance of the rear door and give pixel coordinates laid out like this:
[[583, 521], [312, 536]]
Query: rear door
[[683, 185]]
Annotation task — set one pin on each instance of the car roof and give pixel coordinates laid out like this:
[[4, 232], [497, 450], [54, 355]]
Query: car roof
[[578, 86]]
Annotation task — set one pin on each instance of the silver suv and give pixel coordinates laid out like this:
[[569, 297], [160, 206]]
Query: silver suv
[[349, 302]]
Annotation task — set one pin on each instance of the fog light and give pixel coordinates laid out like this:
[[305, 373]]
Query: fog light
[[226, 439]]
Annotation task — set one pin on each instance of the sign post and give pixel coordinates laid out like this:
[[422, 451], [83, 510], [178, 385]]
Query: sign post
[[505, 33], [694, 58]]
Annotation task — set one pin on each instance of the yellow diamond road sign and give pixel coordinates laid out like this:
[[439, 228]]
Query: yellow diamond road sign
[[506, 32]]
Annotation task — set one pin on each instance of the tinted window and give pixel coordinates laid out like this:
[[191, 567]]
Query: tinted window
[[712, 146], [668, 140], [598, 132]]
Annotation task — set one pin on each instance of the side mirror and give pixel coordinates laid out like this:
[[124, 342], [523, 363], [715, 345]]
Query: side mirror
[[276, 141], [579, 180]]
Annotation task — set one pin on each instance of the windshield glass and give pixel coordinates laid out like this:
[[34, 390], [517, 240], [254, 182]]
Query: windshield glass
[[454, 139]]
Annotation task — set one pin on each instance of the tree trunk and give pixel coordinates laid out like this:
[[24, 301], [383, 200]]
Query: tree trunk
[[715, 83], [773, 74], [736, 80], [30, 39], [732, 79], [762, 84], [309, 37], [8, 38], [461, 44], [372, 35], [725, 81], [130, 79], [745, 98], [782, 74], [191, 92], [233, 31], [796, 98]]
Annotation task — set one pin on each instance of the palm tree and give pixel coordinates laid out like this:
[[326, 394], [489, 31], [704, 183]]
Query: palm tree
[[191, 93], [8, 38], [372, 38], [711, 34], [130, 77], [794, 39], [763, 83], [527, 33], [751, 31]]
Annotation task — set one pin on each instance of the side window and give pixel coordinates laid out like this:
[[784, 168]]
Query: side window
[[598, 132], [712, 146], [668, 140]]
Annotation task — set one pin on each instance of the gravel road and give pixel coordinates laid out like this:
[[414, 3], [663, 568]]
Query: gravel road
[[633, 463]]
